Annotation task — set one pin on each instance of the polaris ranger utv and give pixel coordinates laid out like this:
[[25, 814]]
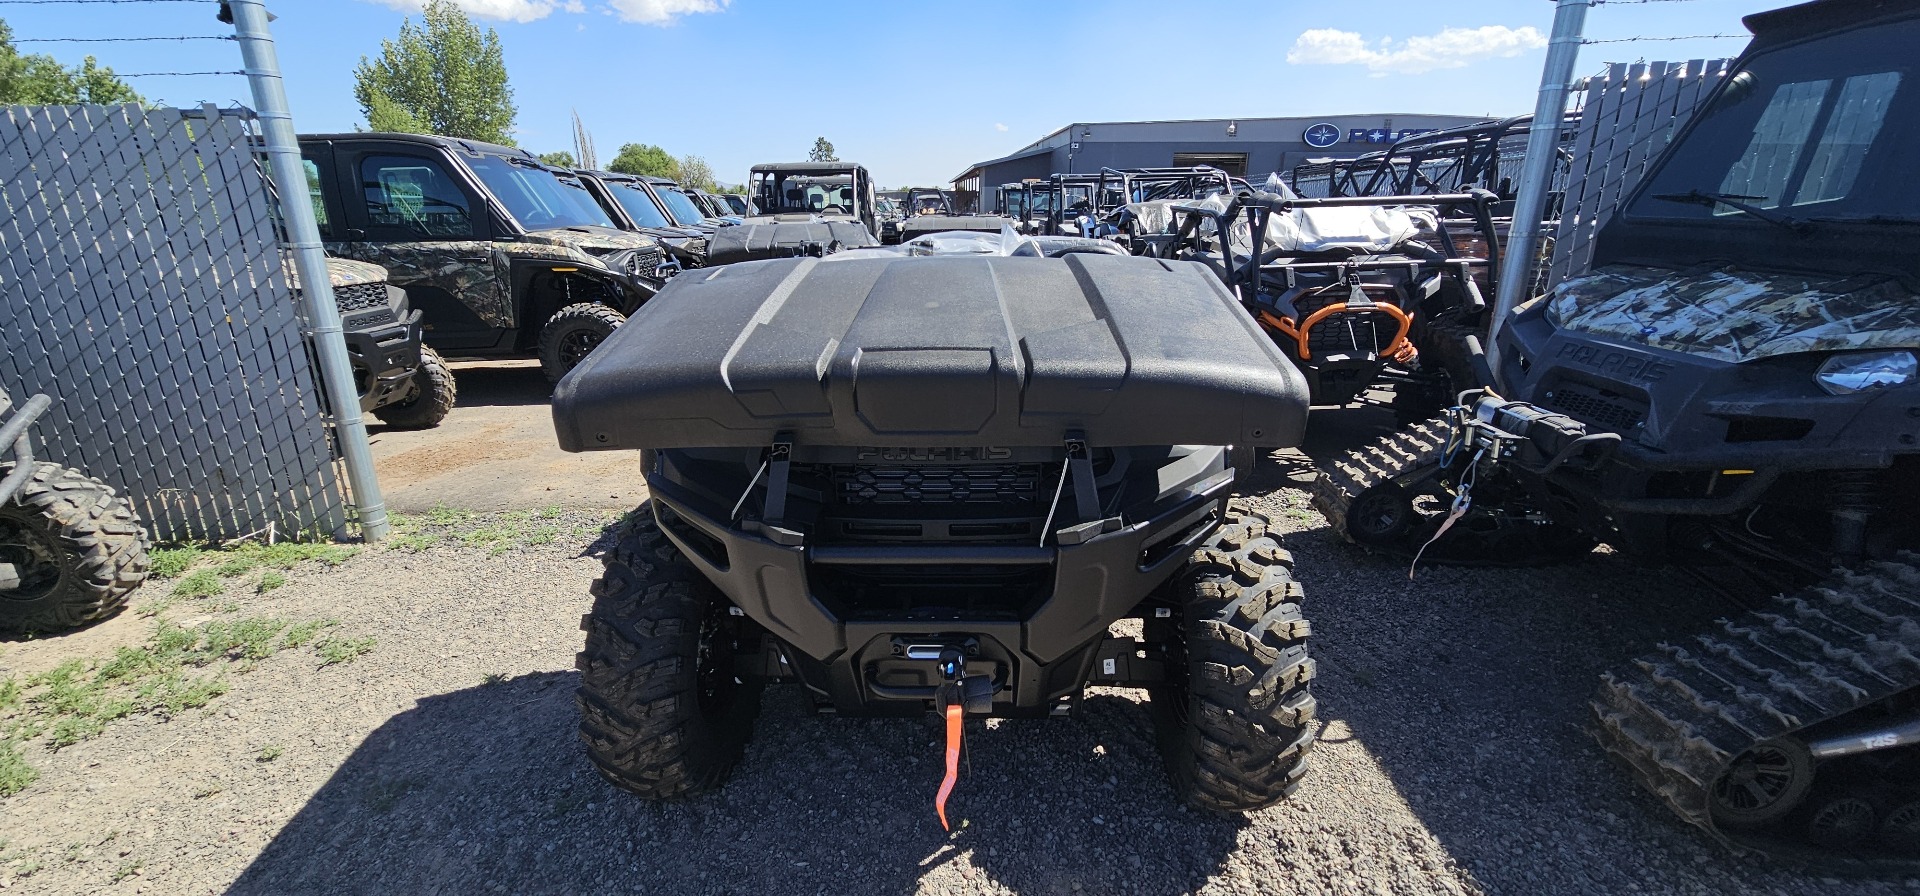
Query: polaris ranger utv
[[932, 482], [505, 256], [1733, 388], [806, 208]]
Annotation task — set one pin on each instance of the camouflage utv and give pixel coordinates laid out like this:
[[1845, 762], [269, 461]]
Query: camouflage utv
[[506, 257], [400, 380]]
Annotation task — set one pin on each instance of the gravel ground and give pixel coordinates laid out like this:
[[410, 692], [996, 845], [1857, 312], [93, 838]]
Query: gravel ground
[[1452, 761]]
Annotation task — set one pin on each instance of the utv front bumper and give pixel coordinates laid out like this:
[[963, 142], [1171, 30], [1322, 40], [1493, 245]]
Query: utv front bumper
[[857, 661], [384, 357]]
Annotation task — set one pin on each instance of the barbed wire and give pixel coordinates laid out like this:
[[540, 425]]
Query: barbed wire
[[91, 2], [170, 74], [115, 40], [1629, 40]]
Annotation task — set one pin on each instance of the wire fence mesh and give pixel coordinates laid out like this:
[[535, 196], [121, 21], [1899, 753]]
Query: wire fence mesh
[[144, 289]]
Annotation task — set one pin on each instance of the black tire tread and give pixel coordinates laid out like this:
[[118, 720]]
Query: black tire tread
[[1236, 736], [640, 718], [582, 313], [432, 398], [103, 539]]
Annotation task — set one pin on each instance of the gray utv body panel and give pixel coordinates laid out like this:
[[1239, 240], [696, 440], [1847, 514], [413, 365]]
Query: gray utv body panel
[[949, 351]]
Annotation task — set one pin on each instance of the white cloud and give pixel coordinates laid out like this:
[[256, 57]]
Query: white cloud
[[508, 10], [662, 12], [1450, 48], [999, 127]]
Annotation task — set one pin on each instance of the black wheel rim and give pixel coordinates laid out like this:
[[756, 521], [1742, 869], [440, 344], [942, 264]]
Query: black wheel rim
[[577, 345], [1381, 515], [34, 557], [1841, 821], [1758, 781]]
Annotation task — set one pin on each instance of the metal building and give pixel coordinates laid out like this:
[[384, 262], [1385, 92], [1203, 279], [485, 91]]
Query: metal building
[[1240, 146]]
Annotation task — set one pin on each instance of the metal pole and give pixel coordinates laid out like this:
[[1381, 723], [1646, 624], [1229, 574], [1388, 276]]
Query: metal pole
[[1536, 174], [309, 260]]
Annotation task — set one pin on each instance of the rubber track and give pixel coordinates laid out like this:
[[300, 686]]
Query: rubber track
[[1249, 720], [103, 537], [1387, 458], [1679, 716]]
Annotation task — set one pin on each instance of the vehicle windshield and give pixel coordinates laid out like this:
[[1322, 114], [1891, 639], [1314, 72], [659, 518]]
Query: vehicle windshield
[[1813, 131], [929, 204], [638, 204], [679, 205], [539, 198], [885, 207], [805, 193]]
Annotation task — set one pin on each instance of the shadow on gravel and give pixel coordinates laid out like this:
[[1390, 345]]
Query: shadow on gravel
[[502, 386], [487, 790], [1470, 688]]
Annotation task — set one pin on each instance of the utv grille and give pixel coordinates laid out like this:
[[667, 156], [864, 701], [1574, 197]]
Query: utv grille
[[1600, 407], [360, 297], [1006, 485], [646, 264]]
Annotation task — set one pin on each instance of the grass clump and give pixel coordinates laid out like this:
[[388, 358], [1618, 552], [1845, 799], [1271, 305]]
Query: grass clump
[[497, 534], [335, 651], [177, 669]]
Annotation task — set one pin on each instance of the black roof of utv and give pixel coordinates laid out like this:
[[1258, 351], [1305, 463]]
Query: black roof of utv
[[935, 351]]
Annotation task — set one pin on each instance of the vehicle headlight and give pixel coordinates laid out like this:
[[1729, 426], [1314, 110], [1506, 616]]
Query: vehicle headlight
[[1860, 371]]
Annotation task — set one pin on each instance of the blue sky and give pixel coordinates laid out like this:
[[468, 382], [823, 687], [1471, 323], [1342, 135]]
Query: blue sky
[[915, 90]]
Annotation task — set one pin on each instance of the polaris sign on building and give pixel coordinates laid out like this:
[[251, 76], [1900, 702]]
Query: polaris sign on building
[[1246, 147]]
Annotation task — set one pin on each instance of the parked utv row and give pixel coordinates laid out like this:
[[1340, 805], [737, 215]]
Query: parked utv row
[[1734, 388]]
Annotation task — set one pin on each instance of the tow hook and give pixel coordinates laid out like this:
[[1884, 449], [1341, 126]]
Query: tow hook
[[955, 696]]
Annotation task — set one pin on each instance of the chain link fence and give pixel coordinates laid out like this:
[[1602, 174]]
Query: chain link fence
[[144, 289]]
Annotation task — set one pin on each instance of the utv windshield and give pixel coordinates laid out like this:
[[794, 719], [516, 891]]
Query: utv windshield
[[679, 205], [638, 204], [539, 198], [1806, 133], [828, 194]]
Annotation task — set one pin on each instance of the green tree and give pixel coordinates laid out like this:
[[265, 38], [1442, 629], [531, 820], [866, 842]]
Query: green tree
[[37, 78], [822, 151], [696, 173], [645, 159], [442, 76], [561, 159]]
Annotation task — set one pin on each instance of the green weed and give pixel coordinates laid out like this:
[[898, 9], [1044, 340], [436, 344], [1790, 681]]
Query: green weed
[[270, 752], [167, 563], [202, 583], [15, 773], [335, 651], [269, 580]]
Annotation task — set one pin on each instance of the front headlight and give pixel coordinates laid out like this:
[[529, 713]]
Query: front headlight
[[1860, 371]]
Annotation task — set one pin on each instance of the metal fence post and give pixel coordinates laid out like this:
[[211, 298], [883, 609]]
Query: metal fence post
[[1536, 174], [316, 289]]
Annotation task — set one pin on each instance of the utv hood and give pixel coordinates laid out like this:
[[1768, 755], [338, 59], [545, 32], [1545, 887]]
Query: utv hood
[[935, 351], [1734, 315], [592, 240]]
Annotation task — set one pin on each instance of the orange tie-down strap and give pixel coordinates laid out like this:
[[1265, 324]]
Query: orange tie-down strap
[[955, 712]]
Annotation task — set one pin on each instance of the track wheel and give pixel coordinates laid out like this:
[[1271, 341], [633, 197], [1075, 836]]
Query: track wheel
[[1762, 785], [1841, 822], [572, 334], [662, 711], [1901, 828], [1235, 721]]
